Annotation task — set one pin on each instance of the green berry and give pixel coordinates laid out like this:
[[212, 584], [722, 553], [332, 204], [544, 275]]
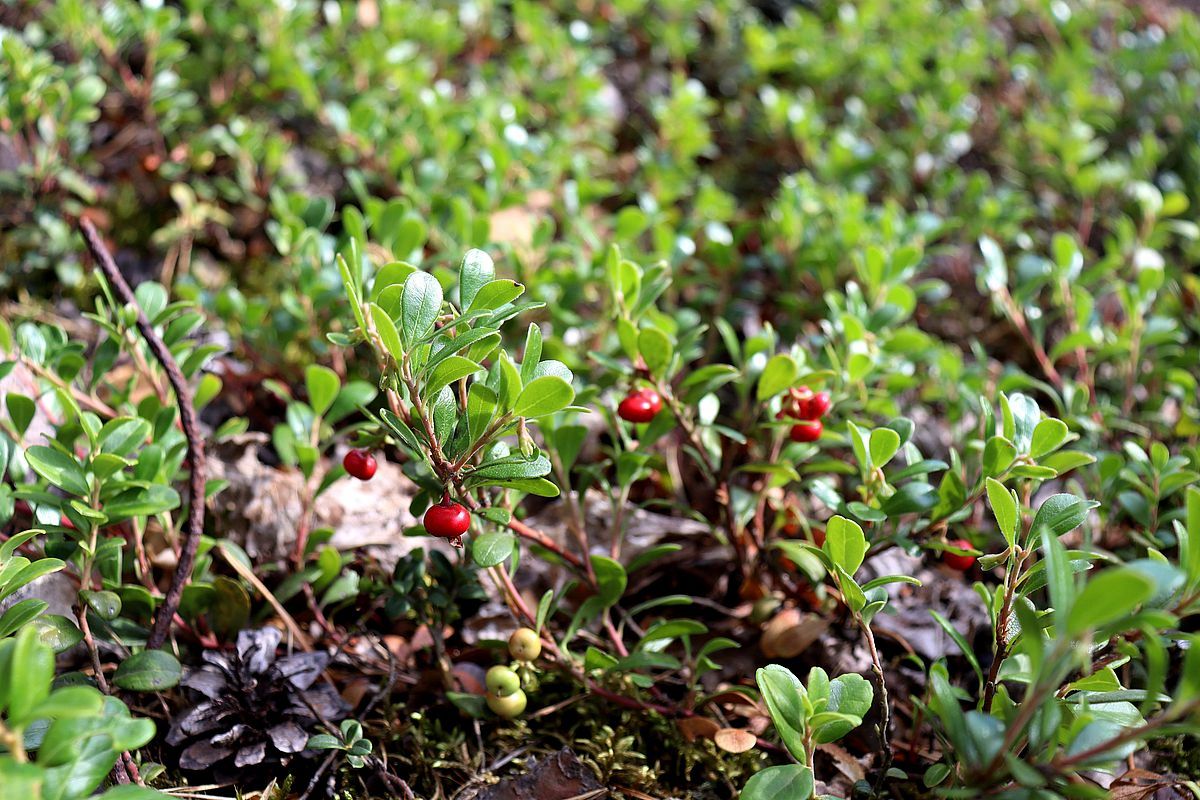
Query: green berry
[[508, 706], [525, 645], [502, 681]]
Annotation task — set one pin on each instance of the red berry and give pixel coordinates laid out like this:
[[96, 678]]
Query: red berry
[[447, 519], [962, 563], [653, 397], [640, 406], [807, 431], [818, 405], [360, 464]]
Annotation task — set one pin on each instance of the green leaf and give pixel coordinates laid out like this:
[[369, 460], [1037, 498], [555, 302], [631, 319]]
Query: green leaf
[[481, 409], [393, 273], [779, 374], [30, 671], [1108, 597], [1189, 541], [105, 604], [851, 696], [788, 782], [532, 353], [450, 370], [386, 329], [506, 380], [444, 346], [496, 294], [21, 410], [656, 349], [59, 468], [69, 702], [786, 700], [19, 613], [998, 455], [1049, 435], [1004, 507], [1059, 578], [476, 271], [56, 632], [884, 443], [492, 548], [1059, 514], [148, 671], [885, 580], [845, 543], [1021, 417], [958, 639], [18, 576], [852, 593], [673, 629], [544, 395], [610, 580], [420, 304], [513, 466], [322, 384]]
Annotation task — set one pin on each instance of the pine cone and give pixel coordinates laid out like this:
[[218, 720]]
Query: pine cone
[[257, 710]]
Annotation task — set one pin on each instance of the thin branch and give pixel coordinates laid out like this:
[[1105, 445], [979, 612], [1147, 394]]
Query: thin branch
[[194, 526]]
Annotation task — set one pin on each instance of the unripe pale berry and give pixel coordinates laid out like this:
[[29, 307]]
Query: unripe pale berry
[[508, 706], [502, 681], [807, 431], [524, 644], [360, 464], [447, 519]]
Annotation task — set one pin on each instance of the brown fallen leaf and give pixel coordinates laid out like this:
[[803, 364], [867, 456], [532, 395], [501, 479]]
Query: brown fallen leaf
[[694, 728], [735, 740], [848, 765], [790, 632]]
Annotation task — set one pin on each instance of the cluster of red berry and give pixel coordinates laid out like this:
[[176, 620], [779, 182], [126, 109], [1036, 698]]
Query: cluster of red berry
[[806, 406], [640, 405], [446, 519]]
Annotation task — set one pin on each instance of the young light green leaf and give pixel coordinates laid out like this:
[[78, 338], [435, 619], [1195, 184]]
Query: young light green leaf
[[779, 374], [785, 697], [544, 395], [655, 348], [610, 579], [532, 354], [1004, 507], [884, 443], [450, 370], [850, 697], [476, 271], [420, 304], [388, 335], [1020, 420], [845, 543], [322, 384], [1060, 579], [1108, 597], [998, 455], [495, 294], [1049, 435]]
